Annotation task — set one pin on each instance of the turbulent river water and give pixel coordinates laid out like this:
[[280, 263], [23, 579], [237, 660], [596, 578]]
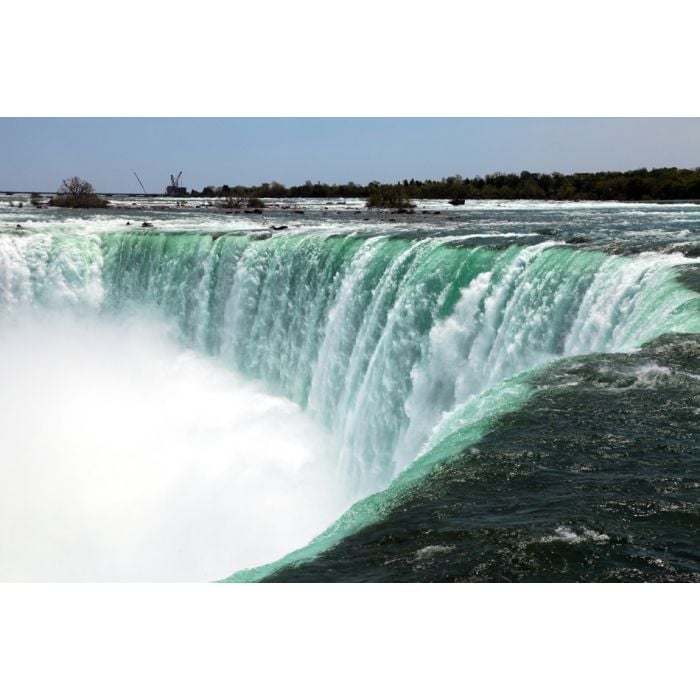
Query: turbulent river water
[[500, 391]]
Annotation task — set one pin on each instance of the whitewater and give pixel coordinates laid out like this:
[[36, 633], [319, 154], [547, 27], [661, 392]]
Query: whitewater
[[210, 395]]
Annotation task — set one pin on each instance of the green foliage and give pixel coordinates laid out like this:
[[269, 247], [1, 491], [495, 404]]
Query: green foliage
[[255, 203], [635, 185], [388, 197], [77, 194]]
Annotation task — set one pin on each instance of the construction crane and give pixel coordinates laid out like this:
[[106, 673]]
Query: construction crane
[[141, 183], [174, 188]]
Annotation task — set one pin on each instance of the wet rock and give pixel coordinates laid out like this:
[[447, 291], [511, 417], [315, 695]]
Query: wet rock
[[692, 252], [146, 224]]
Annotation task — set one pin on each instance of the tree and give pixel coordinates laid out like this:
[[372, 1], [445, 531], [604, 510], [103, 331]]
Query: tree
[[232, 202], [77, 194], [388, 197], [79, 190]]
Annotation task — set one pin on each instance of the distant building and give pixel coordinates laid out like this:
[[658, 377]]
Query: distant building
[[174, 189]]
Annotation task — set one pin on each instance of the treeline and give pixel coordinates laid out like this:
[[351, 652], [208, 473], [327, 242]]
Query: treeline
[[657, 184]]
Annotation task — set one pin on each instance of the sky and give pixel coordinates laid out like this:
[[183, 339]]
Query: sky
[[36, 154]]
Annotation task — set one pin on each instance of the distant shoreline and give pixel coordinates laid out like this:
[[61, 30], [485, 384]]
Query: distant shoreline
[[660, 185]]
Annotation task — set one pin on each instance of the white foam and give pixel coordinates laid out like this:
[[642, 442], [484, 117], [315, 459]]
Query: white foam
[[571, 536], [432, 551]]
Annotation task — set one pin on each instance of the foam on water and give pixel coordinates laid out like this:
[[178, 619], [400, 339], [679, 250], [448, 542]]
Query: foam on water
[[570, 536]]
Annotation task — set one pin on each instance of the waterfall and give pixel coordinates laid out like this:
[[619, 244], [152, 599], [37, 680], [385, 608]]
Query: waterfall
[[380, 339]]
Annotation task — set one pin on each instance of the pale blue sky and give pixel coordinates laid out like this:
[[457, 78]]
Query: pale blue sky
[[36, 154]]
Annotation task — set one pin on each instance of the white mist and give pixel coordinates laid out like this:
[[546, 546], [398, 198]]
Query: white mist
[[124, 457]]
